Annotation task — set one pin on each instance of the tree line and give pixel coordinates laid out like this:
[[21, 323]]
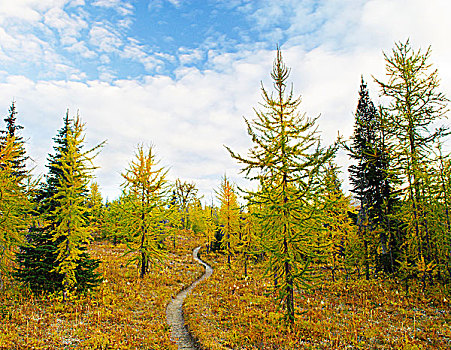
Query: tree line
[[298, 220]]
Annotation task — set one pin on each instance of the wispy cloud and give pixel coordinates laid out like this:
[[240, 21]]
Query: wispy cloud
[[124, 8], [105, 39], [52, 32], [176, 3], [69, 27]]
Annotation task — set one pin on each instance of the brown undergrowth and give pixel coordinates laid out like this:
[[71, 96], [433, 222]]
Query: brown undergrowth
[[230, 311], [125, 312]]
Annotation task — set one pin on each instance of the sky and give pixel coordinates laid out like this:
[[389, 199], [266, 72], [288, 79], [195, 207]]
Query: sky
[[180, 75]]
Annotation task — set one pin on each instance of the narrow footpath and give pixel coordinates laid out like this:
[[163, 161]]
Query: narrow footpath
[[174, 312]]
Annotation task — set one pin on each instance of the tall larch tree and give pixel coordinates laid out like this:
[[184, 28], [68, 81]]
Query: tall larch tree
[[285, 160], [415, 106], [146, 183], [14, 206], [15, 187], [96, 209], [228, 216]]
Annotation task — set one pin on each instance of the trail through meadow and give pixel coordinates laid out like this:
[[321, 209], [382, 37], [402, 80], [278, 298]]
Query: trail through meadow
[[174, 312]]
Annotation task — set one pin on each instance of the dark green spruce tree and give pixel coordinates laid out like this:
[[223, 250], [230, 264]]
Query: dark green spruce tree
[[37, 259], [13, 130], [370, 178]]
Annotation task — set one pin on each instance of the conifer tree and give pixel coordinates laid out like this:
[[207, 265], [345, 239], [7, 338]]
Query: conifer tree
[[442, 212], [14, 189], [72, 231], [248, 239], [146, 185], [96, 209], [228, 216], [285, 160], [372, 181], [14, 204], [42, 264], [13, 131], [415, 105], [340, 229], [114, 225], [209, 227]]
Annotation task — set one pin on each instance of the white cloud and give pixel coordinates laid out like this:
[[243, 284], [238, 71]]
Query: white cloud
[[124, 8], [26, 45], [190, 56], [69, 27], [176, 3], [81, 48], [26, 10], [105, 39], [135, 52], [75, 3]]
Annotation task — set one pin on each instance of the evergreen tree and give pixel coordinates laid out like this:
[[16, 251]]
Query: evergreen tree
[[442, 212], [71, 230], [39, 260], [286, 160], [372, 181], [13, 131]]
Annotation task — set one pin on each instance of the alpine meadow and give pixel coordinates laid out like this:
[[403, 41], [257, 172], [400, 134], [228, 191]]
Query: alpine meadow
[[293, 257]]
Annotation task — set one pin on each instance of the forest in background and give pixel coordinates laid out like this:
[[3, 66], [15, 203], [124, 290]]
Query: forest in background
[[297, 230]]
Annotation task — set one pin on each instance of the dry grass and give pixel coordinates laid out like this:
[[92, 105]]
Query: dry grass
[[125, 312], [356, 315]]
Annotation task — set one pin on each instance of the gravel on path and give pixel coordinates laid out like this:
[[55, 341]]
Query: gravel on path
[[174, 312]]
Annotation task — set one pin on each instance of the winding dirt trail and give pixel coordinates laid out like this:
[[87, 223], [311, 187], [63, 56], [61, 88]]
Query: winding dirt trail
[[174, 313]]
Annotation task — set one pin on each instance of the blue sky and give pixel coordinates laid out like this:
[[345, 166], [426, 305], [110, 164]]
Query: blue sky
[[180, 74]]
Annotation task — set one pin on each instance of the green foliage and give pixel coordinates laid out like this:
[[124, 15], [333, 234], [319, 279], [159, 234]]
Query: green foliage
[[342, 246], [72, 231], [96, 210], [183, 196], [228, 218], [55, 257], [145, 183], [286, 160], [114, 227], [373, 183], [14, 204], [248, 244], [12, 131], [415, 105], [15, 185]]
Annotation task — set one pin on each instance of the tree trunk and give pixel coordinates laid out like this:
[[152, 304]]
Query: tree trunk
[[367, 262], [289, 287], [245, 264], [143, 264]]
